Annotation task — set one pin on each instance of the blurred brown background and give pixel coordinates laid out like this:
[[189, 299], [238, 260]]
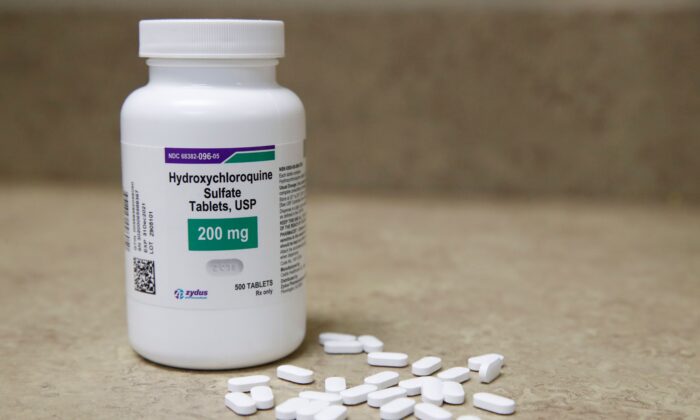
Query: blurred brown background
[[597, 98]]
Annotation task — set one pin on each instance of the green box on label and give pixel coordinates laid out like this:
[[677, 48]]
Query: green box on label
[[222, 234]]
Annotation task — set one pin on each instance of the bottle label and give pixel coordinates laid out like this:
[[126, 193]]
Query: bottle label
[[214, 228]]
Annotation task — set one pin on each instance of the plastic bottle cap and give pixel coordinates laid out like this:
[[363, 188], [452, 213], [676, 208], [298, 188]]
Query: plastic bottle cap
[[211, 38]]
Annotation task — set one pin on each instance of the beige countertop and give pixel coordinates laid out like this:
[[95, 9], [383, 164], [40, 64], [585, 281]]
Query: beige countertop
[[595, 306]]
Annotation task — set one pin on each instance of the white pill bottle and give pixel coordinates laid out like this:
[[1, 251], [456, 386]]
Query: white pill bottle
[[214, 197]]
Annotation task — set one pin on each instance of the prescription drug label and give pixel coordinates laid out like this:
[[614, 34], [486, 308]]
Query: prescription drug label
[[214, 228]]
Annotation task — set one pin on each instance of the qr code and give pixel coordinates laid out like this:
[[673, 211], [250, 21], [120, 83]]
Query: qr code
[[144, 276]]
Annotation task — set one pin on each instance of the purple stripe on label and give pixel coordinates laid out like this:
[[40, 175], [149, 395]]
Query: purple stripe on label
[[206, 155]]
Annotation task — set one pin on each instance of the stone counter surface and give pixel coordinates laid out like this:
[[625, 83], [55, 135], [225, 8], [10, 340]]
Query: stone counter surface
[[596, 306]]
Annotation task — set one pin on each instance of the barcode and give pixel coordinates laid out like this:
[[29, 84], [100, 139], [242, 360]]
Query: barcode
[[144, 276], [127, 242]]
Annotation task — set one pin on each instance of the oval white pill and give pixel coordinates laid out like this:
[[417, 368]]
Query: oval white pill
[[397, 409], [494, 403], [263, 397], [371, 343], [431, 391], [295, 374], [383, 379], [335, 384], [426, 366], [490, 370], [329, 397], [334, 336], [288, 409], [343, 347], [240, 403], [455, 374], [468, 418], [245, 383], [474, 363], [379, 398], [334, 412], [357, 394], [413, 385], [308, 411], [452, 392], [425, 411], [387, 359]]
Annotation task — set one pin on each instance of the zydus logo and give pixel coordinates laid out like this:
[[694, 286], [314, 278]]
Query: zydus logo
[[190, 294]]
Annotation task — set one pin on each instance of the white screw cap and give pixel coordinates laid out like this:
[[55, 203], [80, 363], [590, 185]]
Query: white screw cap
[[211, 38]]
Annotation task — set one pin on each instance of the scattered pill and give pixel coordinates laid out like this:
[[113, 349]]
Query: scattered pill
[[383, 379], [452, 392], [245, 383], [425, 411], [295, 374], [329, 397], [380, 397], [343, 347], [426, 366], [335, 384], [334, 336], [308, 410], [455, 374], [431, 391], [334, 412], [490, 370], [397, 409], [357, 394], [387, 359], [475, 362], [240, 403], [379, 389], [370, 343], [262, 395], [494, 403], [288, 409], [413, 385]]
